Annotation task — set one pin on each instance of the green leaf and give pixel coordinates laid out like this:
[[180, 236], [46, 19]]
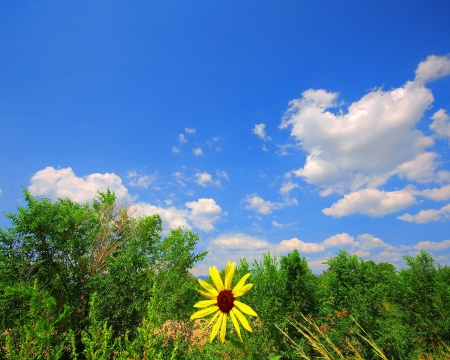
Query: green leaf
[[238, 345]]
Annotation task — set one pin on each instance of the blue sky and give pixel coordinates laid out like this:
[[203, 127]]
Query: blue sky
[[261, 126]]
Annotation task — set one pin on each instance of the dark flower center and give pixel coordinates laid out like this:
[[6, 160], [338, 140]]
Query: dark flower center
[[225, 301]]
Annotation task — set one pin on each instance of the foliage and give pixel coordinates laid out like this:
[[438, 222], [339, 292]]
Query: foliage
[[75, 250], [90, 281]]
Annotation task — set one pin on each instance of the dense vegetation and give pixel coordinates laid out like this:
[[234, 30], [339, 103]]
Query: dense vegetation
[[90, 281]]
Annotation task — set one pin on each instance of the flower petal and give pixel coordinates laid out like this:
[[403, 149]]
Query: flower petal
[[245, 308], [241, 283], [202, 313], [235, 323], [242, 319], [243, 291], [229, 273], [208, 287], [223, 329], [207, 294], [212, 320], [205, 303], [216, 327], [215, 276]]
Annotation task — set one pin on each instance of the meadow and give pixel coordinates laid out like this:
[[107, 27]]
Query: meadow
[[89, 281]]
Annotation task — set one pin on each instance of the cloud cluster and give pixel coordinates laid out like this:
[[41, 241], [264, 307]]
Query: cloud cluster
[[63, 183], [356, 152], [140, 180], [233, 246], [200, 214]]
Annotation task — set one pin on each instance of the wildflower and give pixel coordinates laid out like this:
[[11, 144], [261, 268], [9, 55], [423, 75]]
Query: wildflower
[[224, 302]]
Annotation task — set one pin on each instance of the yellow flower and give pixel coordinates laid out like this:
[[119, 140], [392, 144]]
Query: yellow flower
[[224, 302]]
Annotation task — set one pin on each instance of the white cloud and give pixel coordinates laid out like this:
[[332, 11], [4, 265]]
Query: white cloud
[[421, 169], [441, 124], [197, 151], [375, 140], [432, 246], [339, 240], [262, 206], [205, 179], [233, 246], [287, 187], [1, 191], [63, 183], [277, 224], [426, 216], [200, 214], [260, 130], [370, 242], [142, 180], [303, 247], [372, 202], [189, 131], [222, 174], [172, 217], [176, 150], [204, 213], [181, 179], [437, 194], [259, 204], [182, 138], [264, 148], [432, 68]]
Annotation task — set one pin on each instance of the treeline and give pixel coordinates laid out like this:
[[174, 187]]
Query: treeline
[[89, 281]]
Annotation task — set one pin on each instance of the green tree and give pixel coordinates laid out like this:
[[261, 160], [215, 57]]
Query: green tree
[[301, 285], [73, 250]]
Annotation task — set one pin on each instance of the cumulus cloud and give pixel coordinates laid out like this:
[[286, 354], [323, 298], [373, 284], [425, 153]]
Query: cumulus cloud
[[432, 68], [339, 240], [372, 202], [63, 183], [197, 151], [200, 214], [438, 194], [303, 247], [1, 191], [172, 217], [373, 141], [262, 206], [205, 179], [287, 187], [260, 130], [176, 150], [233, 246], [190, 130], [204, 213], [432, 246], [426, 216], [421, 169], [441, 124]]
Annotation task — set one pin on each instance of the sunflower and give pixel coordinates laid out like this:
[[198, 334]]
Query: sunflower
[[224, 302]]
